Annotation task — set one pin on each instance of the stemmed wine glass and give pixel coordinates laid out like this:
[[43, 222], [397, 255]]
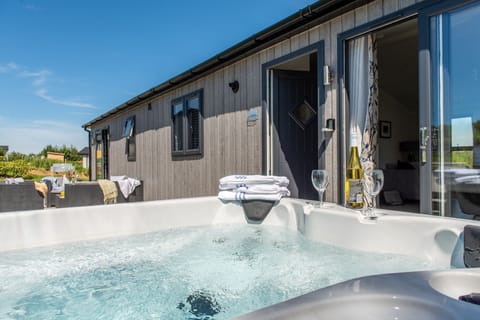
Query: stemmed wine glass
[[373, 184], [320, 182]]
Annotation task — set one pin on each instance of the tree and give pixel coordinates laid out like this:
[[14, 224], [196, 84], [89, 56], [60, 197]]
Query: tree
[[476, 133], [12, 156], [70, 153]]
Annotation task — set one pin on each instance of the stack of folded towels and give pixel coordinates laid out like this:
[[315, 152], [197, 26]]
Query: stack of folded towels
[[253, 187]]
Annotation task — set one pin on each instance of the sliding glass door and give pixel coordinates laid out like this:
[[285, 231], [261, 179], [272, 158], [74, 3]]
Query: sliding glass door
[[450, 133]]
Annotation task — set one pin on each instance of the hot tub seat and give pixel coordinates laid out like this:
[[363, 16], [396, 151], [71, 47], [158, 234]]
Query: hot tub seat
[[467, 190], [426, 295]]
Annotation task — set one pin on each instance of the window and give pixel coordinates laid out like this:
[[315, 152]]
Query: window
[[129, 133], [128, 127], [187, 131]]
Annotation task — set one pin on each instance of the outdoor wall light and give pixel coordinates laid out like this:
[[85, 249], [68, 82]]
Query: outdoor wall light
[[234, 86], [327, 76]]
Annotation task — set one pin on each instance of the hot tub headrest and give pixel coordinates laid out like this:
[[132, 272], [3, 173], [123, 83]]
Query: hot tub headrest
[[471, 255]]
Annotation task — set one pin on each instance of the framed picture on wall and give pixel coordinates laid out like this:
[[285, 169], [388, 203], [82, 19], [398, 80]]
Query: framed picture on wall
[[385, 129]]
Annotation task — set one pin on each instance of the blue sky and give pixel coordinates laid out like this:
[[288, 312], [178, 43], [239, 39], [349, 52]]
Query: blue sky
[[63, 63]]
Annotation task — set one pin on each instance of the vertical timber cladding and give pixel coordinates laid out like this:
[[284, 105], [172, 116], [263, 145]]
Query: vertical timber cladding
[[230, 146]]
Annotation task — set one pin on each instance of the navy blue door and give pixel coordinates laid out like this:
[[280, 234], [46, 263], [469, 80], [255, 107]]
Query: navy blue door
[[295, 131]]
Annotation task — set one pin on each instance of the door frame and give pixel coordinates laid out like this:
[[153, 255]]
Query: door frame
[[268, 107], [102, 135], [393, 18], [422, 11]]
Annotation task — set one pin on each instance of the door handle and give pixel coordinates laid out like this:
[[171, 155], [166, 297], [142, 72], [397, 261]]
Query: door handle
[[424, 139]]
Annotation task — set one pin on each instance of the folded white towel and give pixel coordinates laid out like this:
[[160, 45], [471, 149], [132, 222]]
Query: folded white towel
[[264, 189], [238, 196], [127, 185], [237, 181]]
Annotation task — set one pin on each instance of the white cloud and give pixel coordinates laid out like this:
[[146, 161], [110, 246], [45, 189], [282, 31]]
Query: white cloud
[[39, 81], [39, 78], [8, 67], [32, 137], [42, 93]]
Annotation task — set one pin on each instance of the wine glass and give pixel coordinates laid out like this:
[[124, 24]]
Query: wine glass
[[373, 184], [320, 182]]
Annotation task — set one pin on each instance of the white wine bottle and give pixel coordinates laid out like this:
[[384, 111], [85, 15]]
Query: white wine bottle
[[353, 183]]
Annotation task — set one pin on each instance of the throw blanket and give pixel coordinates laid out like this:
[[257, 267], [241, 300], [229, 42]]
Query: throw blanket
[[109, 190], [237, 181], [54, 183], [42, 188], [127, 185]]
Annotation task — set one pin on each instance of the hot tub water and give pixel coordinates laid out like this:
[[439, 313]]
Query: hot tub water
[[211, 272]]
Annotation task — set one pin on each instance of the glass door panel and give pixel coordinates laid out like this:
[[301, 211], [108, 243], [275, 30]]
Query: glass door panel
[[455, 123]]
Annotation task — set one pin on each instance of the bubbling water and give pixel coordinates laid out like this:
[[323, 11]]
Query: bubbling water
[[212, 272]]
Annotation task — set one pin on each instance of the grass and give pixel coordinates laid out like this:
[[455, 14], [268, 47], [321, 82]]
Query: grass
[[463, 157], [458, 156]]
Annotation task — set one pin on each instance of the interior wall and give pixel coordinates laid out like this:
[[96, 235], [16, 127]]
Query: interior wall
[[398, 91], [404, 128]]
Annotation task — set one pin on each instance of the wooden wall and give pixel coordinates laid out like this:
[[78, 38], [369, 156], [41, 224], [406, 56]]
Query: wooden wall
[[230, 146]]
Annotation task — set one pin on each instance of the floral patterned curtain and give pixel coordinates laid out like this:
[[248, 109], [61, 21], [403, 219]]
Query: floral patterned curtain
[[370, 130], [363, 100]]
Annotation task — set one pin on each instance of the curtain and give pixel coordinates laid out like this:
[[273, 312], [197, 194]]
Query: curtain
[[363, 86], [358, 92]]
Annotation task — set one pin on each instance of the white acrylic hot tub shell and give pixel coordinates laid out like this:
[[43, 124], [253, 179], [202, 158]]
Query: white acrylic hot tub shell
[[28, 229], [430, 237], [434, 238], [405, 296]]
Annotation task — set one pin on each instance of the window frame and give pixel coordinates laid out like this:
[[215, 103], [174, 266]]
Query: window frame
[[129, 123], [183, 100], [130, 143]]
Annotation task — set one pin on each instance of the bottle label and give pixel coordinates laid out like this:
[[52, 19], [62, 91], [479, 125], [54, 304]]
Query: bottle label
[[355, 191]]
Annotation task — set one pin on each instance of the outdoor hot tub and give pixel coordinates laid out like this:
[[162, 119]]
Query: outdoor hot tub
[[198, 258]]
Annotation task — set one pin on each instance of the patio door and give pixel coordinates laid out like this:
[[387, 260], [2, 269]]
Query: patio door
[[102, 140], [382, 109], [450, 117], [294, 98]]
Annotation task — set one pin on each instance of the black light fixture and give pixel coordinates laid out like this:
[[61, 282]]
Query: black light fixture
[[234, 86]]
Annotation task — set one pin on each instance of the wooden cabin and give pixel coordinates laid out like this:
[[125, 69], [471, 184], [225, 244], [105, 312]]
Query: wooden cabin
[[56, 156], [398, 78]]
